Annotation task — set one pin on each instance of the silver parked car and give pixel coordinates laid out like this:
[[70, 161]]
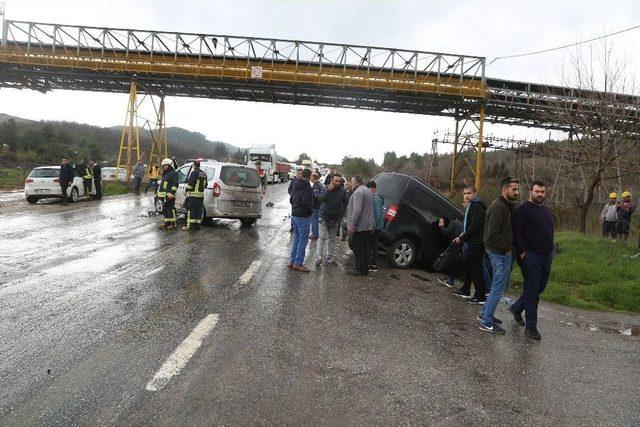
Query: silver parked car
[[233, 191]]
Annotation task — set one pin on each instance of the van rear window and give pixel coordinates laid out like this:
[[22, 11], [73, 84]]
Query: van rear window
[[44, 173], [239, 176], [390, 187]]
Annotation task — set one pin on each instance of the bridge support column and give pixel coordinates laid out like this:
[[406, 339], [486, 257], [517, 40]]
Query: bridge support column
[[130, 139], [468, 136], [159, 149], [479, 149]]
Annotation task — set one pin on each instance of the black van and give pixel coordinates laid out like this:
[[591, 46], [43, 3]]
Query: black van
[[412, 211]]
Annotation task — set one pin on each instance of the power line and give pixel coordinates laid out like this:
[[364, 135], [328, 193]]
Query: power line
[[564, 46]]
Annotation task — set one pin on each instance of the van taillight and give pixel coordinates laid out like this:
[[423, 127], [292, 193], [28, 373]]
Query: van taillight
[[216, 189], [391, 213], [28, 180]]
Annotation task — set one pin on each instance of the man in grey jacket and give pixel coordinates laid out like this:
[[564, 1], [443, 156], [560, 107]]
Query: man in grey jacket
[[360, 223], [138, 174]]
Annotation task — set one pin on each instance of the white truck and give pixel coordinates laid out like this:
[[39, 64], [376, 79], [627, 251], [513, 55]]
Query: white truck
[[266, 154]]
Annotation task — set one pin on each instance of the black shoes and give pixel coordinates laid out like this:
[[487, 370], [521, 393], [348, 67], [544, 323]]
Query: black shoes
[[476, 301], [517, 316], [494, 329], [461, 294], [373, 268], [495, 320], [445, 282], [532, 333]]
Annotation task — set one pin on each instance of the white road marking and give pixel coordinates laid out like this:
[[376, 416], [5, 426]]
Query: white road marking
[[179, 358], [154, 271], [247, 275]]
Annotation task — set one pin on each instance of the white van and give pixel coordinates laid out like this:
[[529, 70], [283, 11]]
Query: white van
[[233, 191]]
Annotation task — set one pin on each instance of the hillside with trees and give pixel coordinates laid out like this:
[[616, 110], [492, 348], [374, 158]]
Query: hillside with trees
[[28, 143]]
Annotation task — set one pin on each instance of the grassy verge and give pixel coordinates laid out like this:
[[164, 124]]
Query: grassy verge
[[592, 273], [113, 188], [12, 178]]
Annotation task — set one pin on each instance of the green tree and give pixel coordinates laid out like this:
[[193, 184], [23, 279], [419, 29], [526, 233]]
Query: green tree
[[301, 157], [9, 134], [390, 161], [359, 166]]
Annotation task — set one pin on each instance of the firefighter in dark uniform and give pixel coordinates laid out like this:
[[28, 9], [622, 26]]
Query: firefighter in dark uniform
[[167, 193], [87, 178], [196, 183]]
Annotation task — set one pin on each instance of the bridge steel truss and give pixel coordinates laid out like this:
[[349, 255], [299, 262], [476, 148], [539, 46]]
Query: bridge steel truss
[[46, 57]]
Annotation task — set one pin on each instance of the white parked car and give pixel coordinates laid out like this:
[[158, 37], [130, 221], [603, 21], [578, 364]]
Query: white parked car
[[233, 191], [43, 183], [109, 174]]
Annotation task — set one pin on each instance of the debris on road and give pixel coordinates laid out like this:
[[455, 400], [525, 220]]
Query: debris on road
[[395, 276], [417, 276]]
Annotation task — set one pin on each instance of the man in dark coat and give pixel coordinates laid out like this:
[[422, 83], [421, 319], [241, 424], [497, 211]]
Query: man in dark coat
[[97, 179], [66, 178]]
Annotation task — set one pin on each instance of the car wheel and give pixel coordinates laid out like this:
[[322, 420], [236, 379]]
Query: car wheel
[[402, 253], [247, 222], [158, 204], [32, 199], [74, 195]]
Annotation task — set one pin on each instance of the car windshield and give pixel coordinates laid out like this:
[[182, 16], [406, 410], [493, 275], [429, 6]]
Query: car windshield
[[262, 157], [239, 176], [45, 173]]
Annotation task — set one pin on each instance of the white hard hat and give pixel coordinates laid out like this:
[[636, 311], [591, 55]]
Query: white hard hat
[[167, 161]]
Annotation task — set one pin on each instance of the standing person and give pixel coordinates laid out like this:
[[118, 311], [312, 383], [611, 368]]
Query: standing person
[[167, 193], [65, 177], [473, 248], [87, 178], [329, 177], [290, 189], [378, 216], [138, 174], [317, 189], [263, 175], [360, 223], [625, 210], [609, 216], [196, 183], [301, 211], [332, 202], [97, 178], [449, 233], [533, 240], [498, 239], [347, 196], [153, 178]]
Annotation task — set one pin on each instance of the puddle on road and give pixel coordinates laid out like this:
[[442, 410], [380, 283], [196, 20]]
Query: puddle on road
[[612, 328]]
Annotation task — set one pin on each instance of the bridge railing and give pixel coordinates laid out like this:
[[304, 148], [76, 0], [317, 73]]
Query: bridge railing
[[221, 56]]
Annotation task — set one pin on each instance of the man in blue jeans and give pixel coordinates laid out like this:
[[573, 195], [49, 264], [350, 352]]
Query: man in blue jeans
[[498, 241], [533, 239], [301, 211]]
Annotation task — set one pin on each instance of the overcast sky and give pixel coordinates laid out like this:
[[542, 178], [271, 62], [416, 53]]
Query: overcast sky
[[482, 28]]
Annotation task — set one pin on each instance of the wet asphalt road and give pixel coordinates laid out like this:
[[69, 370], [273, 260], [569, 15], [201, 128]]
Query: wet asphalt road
[[94, 299]]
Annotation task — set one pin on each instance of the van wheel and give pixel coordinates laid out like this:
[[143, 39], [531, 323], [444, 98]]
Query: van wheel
[[247, 222], [32, 199], [402, 253], [74, 195]]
